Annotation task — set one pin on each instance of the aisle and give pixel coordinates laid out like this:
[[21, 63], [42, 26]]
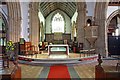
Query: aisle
[[59, 71]]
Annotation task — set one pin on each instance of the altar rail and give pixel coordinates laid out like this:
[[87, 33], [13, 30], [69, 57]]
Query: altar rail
[[87, 53]]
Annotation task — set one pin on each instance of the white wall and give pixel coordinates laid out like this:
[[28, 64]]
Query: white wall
[[24, 20], [110, 10], [41, 17], [90, 8], [49, 24], [74, 18]]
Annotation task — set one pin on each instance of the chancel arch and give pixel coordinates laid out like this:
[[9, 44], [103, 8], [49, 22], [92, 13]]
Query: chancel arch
[[65, 27]]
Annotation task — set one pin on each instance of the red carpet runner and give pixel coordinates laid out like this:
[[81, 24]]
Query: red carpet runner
[[59, 71]]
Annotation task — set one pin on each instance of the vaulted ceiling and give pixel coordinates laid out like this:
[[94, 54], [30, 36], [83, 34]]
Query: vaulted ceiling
[[68, 7]]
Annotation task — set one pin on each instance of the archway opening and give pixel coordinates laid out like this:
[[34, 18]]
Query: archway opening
[[114, 36]]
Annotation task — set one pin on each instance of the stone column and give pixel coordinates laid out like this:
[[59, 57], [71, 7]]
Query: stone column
[[14, 21], [80, 23], [34, 23], [100, 20]]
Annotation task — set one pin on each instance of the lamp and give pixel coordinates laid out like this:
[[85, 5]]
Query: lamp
[[88, 22]]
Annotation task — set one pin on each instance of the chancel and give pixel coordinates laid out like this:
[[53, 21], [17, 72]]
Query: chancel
[[59, 39]]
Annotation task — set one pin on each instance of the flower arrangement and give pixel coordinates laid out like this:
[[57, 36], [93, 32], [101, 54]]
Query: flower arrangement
[[9, 54], [10, 48]]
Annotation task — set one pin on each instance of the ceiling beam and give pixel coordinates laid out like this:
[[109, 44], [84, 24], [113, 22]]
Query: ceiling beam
[[68, 7]]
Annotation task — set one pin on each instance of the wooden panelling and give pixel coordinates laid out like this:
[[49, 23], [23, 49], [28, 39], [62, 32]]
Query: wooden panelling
[[28, 46], [13, 73], [50, 37], [101, 74]]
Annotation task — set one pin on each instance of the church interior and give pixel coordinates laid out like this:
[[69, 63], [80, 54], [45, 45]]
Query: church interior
[[53, 39]]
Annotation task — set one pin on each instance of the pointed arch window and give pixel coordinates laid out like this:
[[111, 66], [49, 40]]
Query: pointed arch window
[[58, 23], [2, 25], [2, 32]]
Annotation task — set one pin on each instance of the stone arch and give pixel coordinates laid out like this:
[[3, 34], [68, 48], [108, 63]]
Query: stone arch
[[100, 20], [111, 16]]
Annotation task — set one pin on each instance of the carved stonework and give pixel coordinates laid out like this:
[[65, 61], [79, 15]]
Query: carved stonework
[[91, 34], [14, 22]]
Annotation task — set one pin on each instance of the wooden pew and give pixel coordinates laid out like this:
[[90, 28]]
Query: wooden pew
[[101, 74]]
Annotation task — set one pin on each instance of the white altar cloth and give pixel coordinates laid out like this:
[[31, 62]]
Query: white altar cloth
[[58, 45]]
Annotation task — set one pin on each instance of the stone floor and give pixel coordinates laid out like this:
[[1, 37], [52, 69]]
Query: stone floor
[[85, 70]]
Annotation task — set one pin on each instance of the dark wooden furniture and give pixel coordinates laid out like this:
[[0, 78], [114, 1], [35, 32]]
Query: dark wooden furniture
[[75, 46], [27, 49], [50, 37], [114, 45], [118, 64], [101, 74], [24, 48], [5, 60], [11, 73]]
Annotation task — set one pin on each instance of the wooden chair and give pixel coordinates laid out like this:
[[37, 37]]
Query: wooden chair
[[5, 60], [118, 64]]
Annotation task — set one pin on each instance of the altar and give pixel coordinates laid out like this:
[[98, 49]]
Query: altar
[[58, 46]]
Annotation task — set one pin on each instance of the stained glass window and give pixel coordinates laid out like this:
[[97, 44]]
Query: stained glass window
[[58, 23]]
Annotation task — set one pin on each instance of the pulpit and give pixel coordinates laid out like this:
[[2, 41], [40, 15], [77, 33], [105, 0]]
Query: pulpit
[[91, 34]]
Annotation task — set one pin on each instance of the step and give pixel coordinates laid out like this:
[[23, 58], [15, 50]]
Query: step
[[49, 63]]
